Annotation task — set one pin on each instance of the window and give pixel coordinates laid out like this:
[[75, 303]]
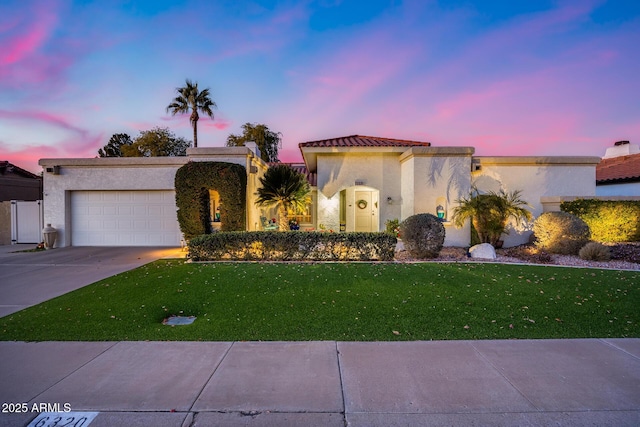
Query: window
[[304, 215]]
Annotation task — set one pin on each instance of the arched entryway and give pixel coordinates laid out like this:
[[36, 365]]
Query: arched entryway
[[360, 209]]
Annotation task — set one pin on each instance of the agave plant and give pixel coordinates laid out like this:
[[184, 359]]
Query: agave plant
[[490, 212], [284, 188]]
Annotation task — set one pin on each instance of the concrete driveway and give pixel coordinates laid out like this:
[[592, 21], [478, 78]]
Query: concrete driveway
[[29, 278]]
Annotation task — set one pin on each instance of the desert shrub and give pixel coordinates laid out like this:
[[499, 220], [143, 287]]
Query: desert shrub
[[423, 235], [609, 221], [595, 251], [626, 252], [560, 233], [292, 246]]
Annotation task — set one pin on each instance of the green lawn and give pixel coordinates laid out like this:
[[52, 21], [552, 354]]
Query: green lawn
[[347, 302]]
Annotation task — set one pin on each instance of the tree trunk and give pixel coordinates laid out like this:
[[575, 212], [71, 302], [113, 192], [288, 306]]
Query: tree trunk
[[283, 220], [194, 123]]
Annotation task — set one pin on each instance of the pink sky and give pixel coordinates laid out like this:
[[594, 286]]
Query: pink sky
[[548, 78]]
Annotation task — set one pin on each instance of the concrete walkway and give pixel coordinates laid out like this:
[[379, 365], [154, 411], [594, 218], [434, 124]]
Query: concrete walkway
[[453, 383], [477, 383], [29, 278]]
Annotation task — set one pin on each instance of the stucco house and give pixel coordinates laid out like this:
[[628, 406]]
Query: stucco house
[[358, 183]]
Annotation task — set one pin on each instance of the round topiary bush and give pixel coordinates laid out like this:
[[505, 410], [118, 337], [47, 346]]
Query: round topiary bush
[[595, 251], [560, 233], [423, 235]]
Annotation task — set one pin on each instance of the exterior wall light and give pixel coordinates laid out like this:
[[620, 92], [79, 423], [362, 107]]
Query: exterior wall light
[[389, 200], [440, 212]]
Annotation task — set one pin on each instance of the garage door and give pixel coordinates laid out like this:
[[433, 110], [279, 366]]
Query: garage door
[[124, 218]]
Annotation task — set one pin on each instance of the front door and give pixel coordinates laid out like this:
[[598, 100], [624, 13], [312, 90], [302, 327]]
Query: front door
[[366, 211]]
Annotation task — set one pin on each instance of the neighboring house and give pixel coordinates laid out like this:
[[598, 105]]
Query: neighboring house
[[618, 174], [18, 184], [358, 183]]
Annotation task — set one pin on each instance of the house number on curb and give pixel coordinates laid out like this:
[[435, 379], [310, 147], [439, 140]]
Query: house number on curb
[[63, 419]]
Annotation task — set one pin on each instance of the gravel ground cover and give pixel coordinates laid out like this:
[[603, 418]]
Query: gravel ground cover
[[625, 256]]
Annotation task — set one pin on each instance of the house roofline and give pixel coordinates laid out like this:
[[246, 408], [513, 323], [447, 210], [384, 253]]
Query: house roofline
[[536, 160]]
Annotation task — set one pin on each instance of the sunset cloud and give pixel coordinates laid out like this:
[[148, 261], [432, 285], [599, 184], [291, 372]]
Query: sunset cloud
[[528, 78]]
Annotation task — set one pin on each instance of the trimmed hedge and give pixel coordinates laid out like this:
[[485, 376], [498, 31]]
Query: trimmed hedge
[[193, 182], [609, 221], [292, 246]]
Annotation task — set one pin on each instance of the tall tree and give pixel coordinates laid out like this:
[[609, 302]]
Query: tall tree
[[268, 141], [190, 99], [284, 188], [115, 145], [157, 142]]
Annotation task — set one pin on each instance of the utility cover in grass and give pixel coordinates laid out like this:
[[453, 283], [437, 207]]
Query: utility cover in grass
[[179, 320]]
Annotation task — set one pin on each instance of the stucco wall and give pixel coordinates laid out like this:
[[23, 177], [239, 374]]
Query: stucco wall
[[100, 174], [336, 172], [437, 176], [134, 173], [536, 177]]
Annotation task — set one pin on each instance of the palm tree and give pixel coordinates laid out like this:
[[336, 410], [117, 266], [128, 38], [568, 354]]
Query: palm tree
[[192, 100], [285, 188], [490, 212]]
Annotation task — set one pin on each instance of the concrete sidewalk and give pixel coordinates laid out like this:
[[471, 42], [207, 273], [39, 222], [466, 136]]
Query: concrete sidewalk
[[493, 383]]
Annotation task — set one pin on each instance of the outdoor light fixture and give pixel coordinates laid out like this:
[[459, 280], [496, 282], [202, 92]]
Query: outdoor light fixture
[[440, 212], [389, 200]]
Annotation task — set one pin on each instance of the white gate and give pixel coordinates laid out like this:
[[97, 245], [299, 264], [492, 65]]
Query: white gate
[[26, 222]]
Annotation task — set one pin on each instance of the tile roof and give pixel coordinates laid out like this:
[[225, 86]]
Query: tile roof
[[363, 141], [618, 169], [312, 177], [9, 168]]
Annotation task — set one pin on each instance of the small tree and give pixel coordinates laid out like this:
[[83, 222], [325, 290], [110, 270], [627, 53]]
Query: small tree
[[157, 142], [284, 188], [115, 145], [490, 212], [267, 141]]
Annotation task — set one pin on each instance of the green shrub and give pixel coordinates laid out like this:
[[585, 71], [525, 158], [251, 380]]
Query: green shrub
[[292, 246], [193, 182], [560, 233], [423, 235], [392, 226], [595, 251], [609, 221]]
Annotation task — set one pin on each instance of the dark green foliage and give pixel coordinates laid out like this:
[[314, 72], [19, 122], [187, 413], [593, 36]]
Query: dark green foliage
[[157, 142], [115, 145], [267, 140], [609, 221], [423, 235], [292, 245], [285, 188], [193, 182], [489, 214], [595, 251], [560, 233], [392, 226]]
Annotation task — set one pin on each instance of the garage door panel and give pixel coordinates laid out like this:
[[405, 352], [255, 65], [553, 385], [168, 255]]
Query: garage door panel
[[124, 218]]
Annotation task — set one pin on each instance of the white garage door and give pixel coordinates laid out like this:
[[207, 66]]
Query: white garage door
[[124, 218]]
